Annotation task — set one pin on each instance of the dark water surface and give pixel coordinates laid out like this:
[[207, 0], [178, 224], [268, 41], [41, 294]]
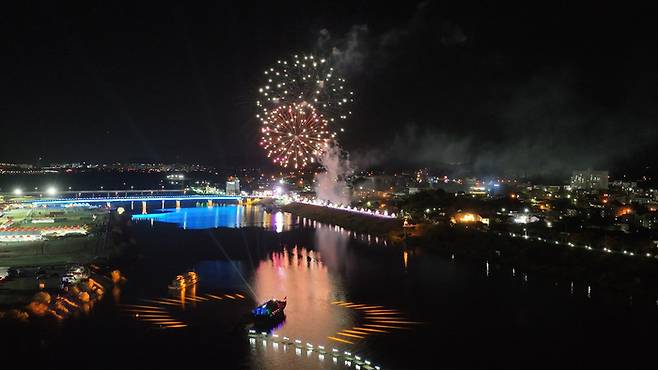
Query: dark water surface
[[406, 310]]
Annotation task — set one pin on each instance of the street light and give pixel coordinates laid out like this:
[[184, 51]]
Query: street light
[[18, 191], [51, 190]]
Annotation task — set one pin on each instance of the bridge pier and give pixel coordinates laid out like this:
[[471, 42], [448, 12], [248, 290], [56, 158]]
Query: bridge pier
[[178, 204], [209, 203], [132, 206], [163, 204], [144, 207]]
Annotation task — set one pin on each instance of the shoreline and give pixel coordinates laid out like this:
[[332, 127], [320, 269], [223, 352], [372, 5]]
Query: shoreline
[[618, 273], [104, 245], [353, 221]]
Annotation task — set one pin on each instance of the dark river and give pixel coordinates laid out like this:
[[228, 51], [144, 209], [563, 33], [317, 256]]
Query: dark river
[[351, 292]]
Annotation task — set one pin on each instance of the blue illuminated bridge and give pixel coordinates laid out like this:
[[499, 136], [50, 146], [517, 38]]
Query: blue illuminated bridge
[[140, 198]]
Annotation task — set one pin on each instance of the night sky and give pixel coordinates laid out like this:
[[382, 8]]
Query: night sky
[[480, 88]]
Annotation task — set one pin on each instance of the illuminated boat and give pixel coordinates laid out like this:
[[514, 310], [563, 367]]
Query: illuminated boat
[[183, 281], [270, 309]]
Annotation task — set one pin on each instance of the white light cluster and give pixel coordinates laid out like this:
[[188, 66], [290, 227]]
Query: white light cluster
[[335, 353], [322, 203]]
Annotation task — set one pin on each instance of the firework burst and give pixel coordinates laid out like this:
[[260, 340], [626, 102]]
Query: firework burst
[[295, 135], [308, 79], [301, 102]]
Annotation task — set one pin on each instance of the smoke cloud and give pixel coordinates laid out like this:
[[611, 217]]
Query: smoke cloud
[[349, 53], [358, 47], [330, 185], [458, 98], [544, 127]]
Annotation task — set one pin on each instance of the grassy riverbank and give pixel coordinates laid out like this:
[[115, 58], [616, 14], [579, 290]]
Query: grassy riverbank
[[63, 249], [349, 220], [79, 249]]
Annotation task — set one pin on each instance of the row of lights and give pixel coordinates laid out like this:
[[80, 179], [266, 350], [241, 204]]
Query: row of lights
[[335, 353], [51, 190], [320, 203], [572, 245]]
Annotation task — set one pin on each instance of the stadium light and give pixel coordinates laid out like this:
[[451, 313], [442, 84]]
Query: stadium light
[[51, 190]]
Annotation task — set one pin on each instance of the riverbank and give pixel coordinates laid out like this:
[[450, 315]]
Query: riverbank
[[620, 273], [75, 235], [28, 268], [54, 251], [353, 221]]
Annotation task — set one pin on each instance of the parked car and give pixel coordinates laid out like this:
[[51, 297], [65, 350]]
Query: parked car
[[70, 279]]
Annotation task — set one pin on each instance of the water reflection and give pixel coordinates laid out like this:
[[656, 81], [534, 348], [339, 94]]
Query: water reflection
[[361, 237], [359, 297], [300, 274], [237, 216], [233, 216], [278, 222]]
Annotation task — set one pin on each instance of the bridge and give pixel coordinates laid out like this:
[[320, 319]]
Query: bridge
[[66, 194], [139, 198], [110, 197], [142, 197]]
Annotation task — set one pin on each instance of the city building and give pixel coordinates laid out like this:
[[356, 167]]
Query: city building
[[589, 180], [233, 186]]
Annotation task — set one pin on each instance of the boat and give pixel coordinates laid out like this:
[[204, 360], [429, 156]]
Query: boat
[[270, 309], [183, 281]]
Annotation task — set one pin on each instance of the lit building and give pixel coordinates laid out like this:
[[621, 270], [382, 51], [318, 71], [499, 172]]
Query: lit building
[[467, 218], [233, 186], [474, 186], [589, 180]]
